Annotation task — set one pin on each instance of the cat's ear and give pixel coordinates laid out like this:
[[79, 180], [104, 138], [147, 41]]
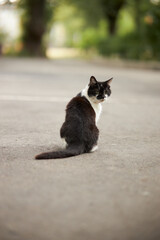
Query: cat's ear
[[108, 82], [93, 81]]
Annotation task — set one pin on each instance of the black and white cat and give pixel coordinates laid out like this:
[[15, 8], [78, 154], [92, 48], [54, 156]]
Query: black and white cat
[[80, 127]]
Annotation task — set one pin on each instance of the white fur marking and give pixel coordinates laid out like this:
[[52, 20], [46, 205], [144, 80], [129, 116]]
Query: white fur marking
[[94, 148], [64, 144], [96, 105]]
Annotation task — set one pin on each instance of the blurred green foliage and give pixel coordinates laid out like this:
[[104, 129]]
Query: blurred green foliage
[[115, 28], [3, 36], [127, 29], [136, 32]]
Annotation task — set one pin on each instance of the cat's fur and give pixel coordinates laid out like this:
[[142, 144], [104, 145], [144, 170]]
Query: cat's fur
[[82, 113]]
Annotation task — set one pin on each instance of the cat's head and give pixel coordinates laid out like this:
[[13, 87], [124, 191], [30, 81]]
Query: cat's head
[[99, 91]]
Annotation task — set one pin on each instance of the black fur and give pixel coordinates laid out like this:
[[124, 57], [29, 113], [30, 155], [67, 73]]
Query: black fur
[[79, 129]]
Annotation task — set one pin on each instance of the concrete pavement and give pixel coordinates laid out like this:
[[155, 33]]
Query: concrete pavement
[[112, 194]]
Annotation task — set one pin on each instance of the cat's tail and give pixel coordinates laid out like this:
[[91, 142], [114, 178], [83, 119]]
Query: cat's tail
[[68, 152]]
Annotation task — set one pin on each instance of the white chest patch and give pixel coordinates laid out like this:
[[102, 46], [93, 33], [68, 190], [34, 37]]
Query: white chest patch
[[98, 109], [95, 104]]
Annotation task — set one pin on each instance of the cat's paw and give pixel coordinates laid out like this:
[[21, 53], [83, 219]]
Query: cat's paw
[[94, 148]]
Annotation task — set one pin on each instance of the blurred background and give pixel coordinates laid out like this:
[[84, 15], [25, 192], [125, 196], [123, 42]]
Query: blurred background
[[113, 193], [126, 29]]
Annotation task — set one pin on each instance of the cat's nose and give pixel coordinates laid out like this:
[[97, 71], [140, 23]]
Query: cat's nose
[[100, 97]]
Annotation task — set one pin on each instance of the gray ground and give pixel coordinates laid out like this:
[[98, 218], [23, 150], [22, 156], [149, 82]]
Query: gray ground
[[113, 193]]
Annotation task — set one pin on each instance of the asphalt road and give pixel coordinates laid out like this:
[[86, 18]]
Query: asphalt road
[[112, 194]]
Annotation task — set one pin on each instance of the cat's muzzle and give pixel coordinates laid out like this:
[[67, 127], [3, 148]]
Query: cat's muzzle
[[101, 97]]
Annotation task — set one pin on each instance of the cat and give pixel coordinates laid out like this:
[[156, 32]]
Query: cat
[[80, 130]]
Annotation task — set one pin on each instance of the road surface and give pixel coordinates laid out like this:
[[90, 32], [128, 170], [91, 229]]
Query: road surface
[[112, 194]]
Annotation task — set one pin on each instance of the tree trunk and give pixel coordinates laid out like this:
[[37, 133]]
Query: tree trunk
[[34, 27], [112, 24], [111, 10]]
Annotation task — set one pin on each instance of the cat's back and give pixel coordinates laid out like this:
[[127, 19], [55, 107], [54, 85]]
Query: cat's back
[[79, 126], [81, 105]]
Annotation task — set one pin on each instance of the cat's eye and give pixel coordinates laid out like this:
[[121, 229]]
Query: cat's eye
[[107, 90]]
